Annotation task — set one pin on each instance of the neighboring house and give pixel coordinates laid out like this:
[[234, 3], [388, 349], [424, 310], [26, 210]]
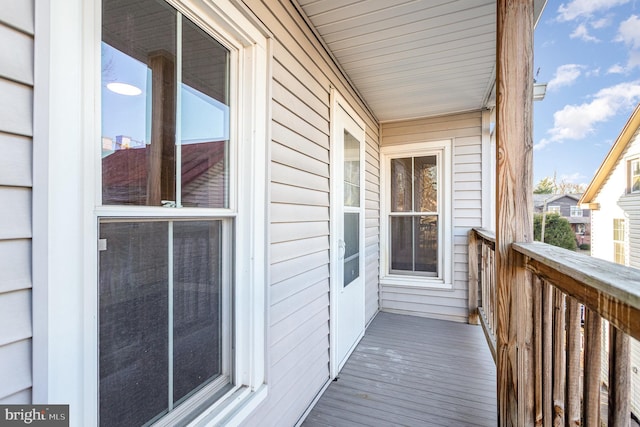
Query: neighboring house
[[567, 206], [613, 196], [289, 169]]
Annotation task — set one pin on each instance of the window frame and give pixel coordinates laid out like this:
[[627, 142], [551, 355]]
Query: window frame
[[554, 209], [576, 211], [630, 174], [442, 149], [619, 246], [67, 114]]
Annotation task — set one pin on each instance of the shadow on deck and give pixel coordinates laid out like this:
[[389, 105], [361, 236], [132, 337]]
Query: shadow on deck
[[413, 371]]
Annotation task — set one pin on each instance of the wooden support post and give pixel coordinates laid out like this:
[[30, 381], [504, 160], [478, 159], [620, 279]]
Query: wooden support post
[[473, 278], [619, 382], [592, 368], [514, 210]]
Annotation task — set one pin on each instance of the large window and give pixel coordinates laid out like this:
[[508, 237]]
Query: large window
[[417, 213], [576, 211], [172, 219]]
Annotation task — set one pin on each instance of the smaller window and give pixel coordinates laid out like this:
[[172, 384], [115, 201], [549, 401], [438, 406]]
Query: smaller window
[[553, 209], [618, 241], [634, 176], [576, 211]]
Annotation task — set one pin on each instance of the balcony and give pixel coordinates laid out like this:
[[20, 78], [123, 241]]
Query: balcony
[[413, 371], [417, 371]]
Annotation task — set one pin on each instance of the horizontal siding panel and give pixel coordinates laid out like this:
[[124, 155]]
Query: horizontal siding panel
[[315, 320], [22, 397], [296, 319], [15, 368], [293, 249], [431, 136], [283, 232], [15, 213], [315, 85], [285, 136], [16, 160], [16, 55], [287, 175], [18, 14], [287, 156], [16, 108], [15, 265], [294, 396], [312, 346], [281, 193], [299, 125], [298, 283], [302, 102], [455, 314], [461, 150], [294, 267], [15, 316], [285, 308], [298, 213]]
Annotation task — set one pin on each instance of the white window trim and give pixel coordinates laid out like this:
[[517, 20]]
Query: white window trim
[[630, 161], [576, 212], [66, 117], [445, 279], [554, 209]]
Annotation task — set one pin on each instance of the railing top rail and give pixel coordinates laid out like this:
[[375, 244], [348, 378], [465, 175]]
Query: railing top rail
[[486, 234], [610, 289]]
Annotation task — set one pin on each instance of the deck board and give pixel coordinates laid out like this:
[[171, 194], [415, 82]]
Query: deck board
[[413, 371]]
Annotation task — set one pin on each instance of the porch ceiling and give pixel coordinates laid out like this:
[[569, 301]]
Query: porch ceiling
[[412, 58]]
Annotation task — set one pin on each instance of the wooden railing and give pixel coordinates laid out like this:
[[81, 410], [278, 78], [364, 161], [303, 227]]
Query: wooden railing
[[571, 296], [482, 279]]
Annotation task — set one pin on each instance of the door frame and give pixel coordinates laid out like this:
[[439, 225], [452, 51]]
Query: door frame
[[336, 158]]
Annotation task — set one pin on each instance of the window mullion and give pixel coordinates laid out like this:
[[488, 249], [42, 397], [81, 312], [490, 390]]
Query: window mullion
[[170, 314], [178, 141]]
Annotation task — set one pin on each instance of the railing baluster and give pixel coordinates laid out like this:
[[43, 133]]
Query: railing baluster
[[547, 353], [559, 358], [592, 367], [573, 362], [537, 350], [619, 373]]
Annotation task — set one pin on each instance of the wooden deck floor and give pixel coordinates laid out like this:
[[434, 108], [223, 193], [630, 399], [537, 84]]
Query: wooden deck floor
[[412, 371]]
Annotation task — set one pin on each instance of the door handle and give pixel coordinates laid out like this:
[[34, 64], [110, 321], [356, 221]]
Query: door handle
[[342, 248]]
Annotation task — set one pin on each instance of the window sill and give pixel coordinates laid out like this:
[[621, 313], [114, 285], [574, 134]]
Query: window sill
[[233, 408], [398, 281]]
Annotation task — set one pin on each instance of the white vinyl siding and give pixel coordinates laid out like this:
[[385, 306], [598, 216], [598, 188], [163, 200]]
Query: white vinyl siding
[[16, 131], [465, 130], [299, 188]]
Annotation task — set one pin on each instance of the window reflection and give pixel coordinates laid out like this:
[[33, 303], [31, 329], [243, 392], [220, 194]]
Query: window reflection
[[162, 147]]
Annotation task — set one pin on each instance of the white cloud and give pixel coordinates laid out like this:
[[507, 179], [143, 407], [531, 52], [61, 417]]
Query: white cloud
[[601, 23], [581, 32], [585, 8], [565, 76], [593, 73], [629, 32], [543, 143], [616, 69], [575, 122]]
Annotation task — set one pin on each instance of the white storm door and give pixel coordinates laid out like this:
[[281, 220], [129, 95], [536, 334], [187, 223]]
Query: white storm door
[[347, 237]]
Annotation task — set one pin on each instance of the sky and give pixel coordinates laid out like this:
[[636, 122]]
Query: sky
[[588, 52]]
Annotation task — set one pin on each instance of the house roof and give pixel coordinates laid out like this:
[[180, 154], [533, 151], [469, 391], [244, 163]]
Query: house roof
[[410, 59], [611, 159], [539, 199]]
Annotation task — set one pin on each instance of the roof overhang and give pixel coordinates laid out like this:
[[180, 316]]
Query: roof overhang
[[411, 59], [611, 160]]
